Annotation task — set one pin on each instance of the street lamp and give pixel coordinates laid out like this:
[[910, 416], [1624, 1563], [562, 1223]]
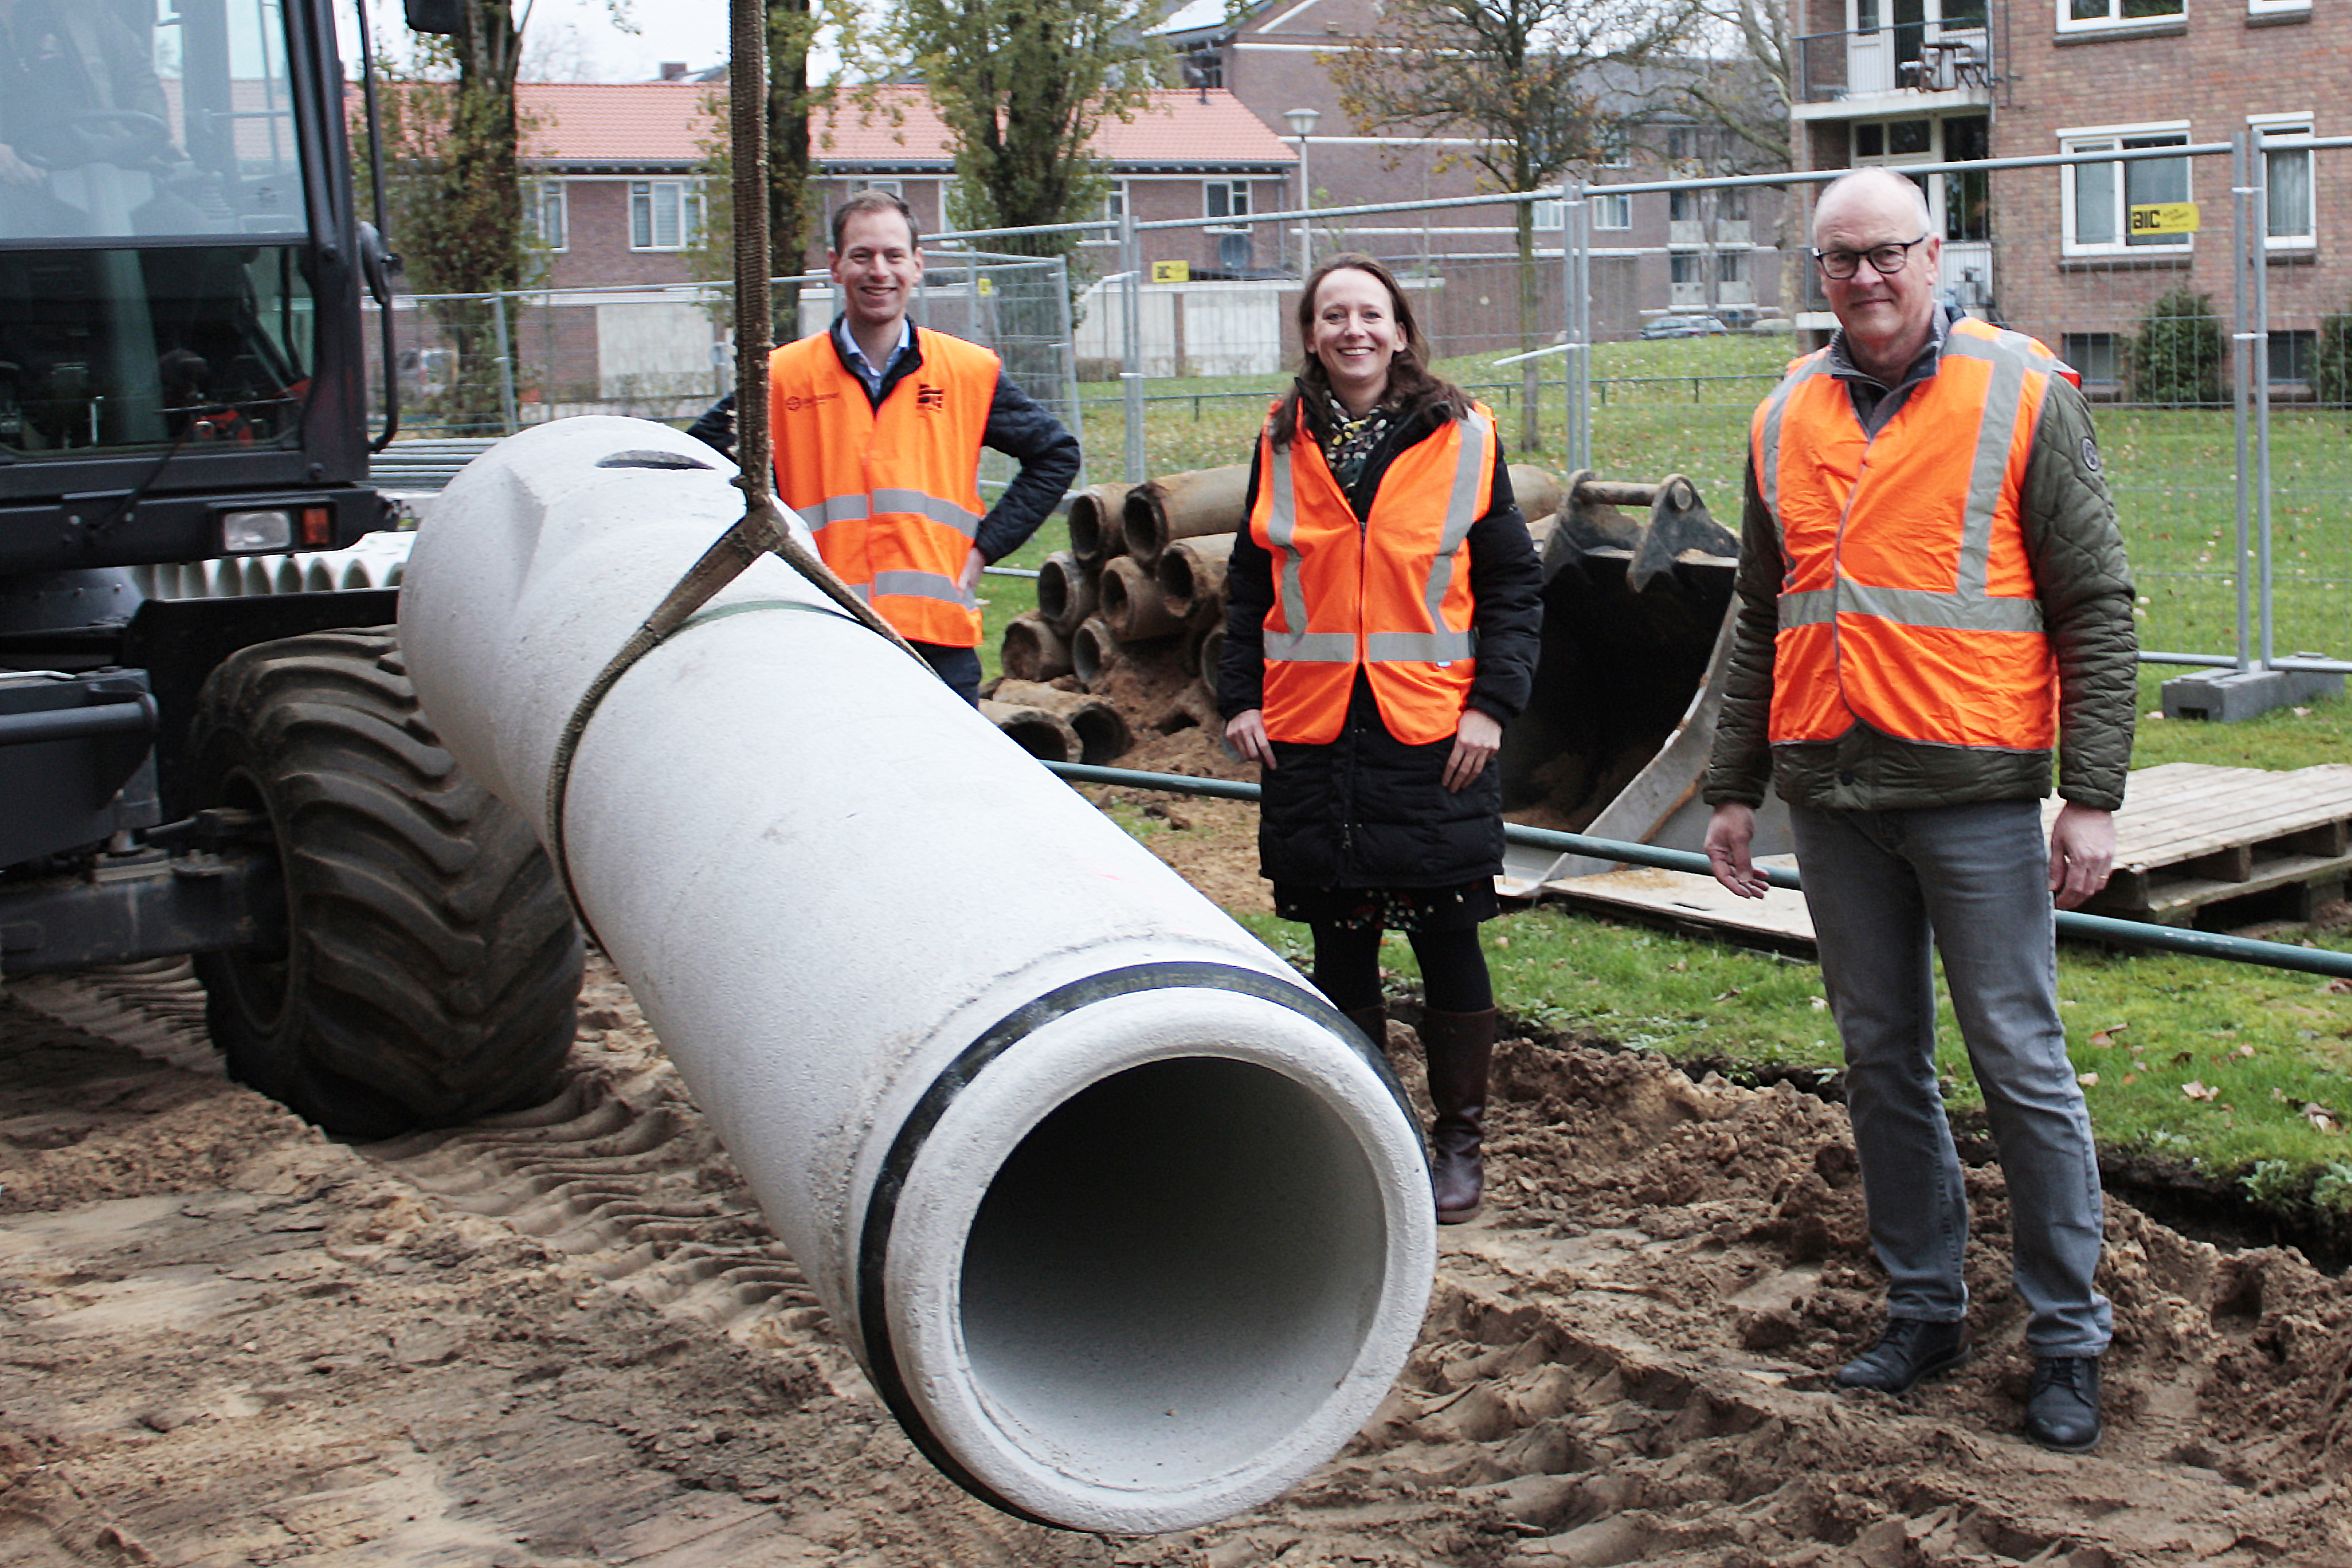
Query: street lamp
[[1302, 126]]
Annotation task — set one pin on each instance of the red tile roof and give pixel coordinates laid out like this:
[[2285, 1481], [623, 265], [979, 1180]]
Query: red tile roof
[[664, 123], [634, 122]]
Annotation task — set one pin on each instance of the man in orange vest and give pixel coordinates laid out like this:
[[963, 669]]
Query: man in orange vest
[[877, 425], [1933, 597]]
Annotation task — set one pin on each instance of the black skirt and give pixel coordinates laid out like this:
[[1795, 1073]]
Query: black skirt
[[1458, 907]]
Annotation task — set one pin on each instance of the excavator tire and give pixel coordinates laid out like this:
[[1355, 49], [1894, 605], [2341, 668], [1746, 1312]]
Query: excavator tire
[[428, 967]]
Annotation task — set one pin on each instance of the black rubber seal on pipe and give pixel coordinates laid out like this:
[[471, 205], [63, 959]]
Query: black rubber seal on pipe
[[882, 1206]]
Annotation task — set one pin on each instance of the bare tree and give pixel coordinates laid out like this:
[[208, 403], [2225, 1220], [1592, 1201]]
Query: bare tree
[[1519, 76], [1743, 83]]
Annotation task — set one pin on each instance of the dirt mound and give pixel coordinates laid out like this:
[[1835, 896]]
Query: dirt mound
[[566, 1337]]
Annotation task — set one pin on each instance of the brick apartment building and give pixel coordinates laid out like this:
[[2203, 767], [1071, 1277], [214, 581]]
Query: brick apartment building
[[1652, 253], [2052, 250]]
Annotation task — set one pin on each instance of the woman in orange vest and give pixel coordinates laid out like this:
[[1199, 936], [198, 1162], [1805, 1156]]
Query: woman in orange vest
[[1384, 607]]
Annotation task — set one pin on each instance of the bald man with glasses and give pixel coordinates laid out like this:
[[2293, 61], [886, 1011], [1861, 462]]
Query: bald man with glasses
[[1933, 604]]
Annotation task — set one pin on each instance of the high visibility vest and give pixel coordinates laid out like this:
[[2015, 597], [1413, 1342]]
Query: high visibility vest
[[1389, 596], [1907, 599], [892, 494]]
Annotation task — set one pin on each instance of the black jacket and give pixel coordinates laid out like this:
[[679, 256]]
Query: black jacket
[[1367, 810]]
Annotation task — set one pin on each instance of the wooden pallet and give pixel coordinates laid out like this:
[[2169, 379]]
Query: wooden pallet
[[2196, 844]]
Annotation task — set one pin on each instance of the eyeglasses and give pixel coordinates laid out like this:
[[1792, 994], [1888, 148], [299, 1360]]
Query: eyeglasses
[[1885, 260]]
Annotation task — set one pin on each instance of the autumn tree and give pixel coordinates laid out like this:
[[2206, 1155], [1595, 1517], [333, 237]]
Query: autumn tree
[[1741, 81], [1522, 81], [454, 193]]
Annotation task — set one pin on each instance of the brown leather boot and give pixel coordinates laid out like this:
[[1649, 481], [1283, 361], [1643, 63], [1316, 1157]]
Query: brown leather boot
[[1459, 1045], [1374, 1022]]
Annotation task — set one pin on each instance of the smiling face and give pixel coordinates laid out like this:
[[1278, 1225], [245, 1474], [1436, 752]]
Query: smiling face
[[1355, 335], [1887, 316], [876, 270]]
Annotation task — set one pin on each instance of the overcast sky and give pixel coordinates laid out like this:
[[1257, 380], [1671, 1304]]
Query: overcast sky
[[576, 40]]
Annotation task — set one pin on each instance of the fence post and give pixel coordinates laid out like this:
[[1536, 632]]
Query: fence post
[[2241, 355], [1131, 261], [506, 363], [2258, 206], [1069, 336], [1576, 259]]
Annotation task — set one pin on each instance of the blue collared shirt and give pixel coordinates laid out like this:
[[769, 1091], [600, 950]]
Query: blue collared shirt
[[855, 357]]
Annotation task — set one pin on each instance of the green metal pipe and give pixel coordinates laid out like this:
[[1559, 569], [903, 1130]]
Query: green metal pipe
[[2071, 922]]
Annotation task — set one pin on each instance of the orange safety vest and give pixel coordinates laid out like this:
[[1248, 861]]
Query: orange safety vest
[[1906, 601], [1390, 594], [892, 494]]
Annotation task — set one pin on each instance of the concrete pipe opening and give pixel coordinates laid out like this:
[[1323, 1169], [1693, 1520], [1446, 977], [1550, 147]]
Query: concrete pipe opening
[[1181, 1289]]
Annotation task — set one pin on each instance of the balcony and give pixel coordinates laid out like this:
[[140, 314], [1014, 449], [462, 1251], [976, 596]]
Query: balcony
[[1915, 65]]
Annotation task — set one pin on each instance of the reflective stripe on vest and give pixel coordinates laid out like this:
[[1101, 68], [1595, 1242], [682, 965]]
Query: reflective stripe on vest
[[1420, 673], [1935, 634], [890, 494]]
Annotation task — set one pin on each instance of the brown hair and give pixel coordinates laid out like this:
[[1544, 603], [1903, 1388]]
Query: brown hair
[[1412, 387], [872, 201]]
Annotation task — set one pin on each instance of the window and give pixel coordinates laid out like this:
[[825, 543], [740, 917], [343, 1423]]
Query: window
[[544, 215], [1684, 267], [1968, 193], [894, 188], [1616, 147], [1731, 267], [1225, 198], [1114, 210], [2095, 355], [2090, 15], [663, 213], [2098, 197], [1612, 212], [1681, 207], [2291, 355], [2265, 9], [2291, 217], [1732, 204]]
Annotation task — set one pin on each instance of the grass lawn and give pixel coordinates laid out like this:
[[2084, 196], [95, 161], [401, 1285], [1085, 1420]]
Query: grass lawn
[[2237, 1072]]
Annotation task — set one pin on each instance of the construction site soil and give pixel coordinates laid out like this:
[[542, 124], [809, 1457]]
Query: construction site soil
[[568, 1337]]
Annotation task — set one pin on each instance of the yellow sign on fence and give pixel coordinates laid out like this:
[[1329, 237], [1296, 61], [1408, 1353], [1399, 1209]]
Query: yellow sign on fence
[[2164, 218], [1171, 272]]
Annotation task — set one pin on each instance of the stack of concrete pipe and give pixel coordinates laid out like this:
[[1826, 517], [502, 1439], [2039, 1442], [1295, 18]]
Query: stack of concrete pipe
[[1145, 574], [1129, 1230]]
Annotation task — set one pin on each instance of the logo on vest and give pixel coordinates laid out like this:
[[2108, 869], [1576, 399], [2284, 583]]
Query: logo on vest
[[796, 402], [2090, 453], [927, 396]]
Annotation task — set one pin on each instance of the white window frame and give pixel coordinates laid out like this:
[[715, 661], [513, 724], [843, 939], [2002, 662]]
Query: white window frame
[[2114, 21], [684, 200], [1608, 205], [1233, 189], [546, 196], [2277, 135], [2111, 138], [1616, 147], [2278, 7], [1115, 197]]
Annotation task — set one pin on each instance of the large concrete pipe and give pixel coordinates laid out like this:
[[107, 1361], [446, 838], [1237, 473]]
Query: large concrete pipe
[[1094, 652], [1066, 592], [1094, 513], [1183, 506], [1132, 606], [1032, 649], [1040, 732], [1129, 1229], [1192, 577], [1102, 730]]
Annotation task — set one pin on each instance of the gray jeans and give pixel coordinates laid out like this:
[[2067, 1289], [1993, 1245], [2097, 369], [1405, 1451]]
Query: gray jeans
[[1880, 885]]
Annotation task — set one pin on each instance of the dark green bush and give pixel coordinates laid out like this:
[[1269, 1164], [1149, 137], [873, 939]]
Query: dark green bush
[[2176, 358], [2331, 360]]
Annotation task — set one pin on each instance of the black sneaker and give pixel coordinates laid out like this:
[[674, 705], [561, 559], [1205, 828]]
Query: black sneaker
[[2062, 1405], [1908, 1350]]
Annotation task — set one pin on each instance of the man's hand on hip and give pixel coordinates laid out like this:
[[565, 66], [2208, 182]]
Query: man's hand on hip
[[2081, 853]]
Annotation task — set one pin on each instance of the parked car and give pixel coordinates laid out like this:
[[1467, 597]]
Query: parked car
[[1683, 327]]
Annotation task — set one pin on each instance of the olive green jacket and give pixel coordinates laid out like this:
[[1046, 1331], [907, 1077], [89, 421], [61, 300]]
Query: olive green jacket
[[2084, 586]]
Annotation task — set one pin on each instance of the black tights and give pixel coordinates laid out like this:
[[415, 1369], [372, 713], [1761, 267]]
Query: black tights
[[1453, 968]]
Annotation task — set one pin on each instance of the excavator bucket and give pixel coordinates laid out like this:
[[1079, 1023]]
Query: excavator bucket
[[1638, 609]]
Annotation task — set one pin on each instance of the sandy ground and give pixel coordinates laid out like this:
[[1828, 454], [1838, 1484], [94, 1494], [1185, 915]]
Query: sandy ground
[[569, 1338]]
